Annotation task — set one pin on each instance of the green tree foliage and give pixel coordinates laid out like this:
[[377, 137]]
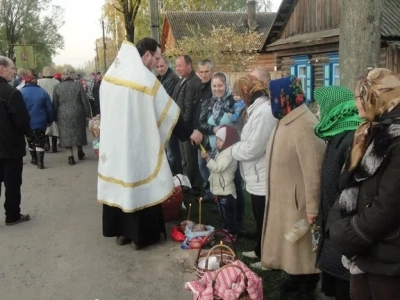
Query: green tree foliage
[[25, 22]]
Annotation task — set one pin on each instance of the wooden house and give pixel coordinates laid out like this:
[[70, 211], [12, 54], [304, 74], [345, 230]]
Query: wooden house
[[304, 40], [177, 26]]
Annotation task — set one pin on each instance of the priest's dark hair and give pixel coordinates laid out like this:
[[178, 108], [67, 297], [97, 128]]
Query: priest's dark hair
[[147, 44]]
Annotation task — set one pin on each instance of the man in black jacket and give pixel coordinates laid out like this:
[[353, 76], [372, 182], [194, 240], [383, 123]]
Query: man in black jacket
[[186, 95], [205, 71], [166, 76], [14, 124]]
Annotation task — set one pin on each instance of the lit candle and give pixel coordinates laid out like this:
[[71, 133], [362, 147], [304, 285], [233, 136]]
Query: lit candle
[[200, 210], [190, 207], [220, 242]]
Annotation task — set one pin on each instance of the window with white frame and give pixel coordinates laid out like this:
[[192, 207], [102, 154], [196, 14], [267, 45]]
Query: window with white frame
[[303, 70], [332, 70]]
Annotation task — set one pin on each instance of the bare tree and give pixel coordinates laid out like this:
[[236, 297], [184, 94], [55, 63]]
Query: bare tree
[[360, 38], [264, 5], [129, 8]]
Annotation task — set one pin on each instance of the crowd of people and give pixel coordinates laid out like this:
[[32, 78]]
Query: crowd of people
[[338, 170]]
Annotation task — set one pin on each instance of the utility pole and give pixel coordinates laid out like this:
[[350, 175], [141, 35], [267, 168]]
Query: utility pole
[[96, 61], [104, 48], [154, 23]]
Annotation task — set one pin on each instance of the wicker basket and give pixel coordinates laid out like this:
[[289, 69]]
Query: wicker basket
[[245, 294], [224, 254], [173, 205]]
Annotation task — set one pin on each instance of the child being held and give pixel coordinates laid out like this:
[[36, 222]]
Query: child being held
[[222, 174], [235, 114]]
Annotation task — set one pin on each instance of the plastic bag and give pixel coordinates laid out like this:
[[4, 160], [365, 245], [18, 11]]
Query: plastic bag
[[298, 231]]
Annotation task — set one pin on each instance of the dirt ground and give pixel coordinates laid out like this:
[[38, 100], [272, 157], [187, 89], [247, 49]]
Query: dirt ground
[[61, 254]]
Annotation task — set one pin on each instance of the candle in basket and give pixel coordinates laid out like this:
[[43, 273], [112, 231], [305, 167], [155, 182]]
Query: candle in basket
[[200, 210], [220, 242], [190, 207]]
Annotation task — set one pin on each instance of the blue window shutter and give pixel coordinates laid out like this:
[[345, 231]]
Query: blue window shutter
[[310, 83], [293, 70], [327, 74]]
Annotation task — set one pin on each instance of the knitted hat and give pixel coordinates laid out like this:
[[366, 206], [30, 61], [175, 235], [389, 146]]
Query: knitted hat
[[228, 135]]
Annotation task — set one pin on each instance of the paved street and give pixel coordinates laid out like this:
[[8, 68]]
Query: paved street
[[61, 254]]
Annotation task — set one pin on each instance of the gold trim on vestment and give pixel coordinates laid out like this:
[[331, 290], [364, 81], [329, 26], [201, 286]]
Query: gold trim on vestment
[[139, 208], [134, 86], [164, 112], [140, 182]]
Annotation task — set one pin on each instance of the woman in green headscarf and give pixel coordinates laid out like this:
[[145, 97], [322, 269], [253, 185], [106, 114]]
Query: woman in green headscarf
[[338, 120]]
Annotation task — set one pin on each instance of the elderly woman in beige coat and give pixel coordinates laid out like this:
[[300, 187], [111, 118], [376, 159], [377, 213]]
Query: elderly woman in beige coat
[[294, 160]]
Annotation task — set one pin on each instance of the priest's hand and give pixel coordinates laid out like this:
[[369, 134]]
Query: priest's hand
[[196, 137]]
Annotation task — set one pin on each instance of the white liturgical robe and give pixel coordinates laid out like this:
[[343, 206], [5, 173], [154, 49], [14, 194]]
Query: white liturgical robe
[[137, 119]]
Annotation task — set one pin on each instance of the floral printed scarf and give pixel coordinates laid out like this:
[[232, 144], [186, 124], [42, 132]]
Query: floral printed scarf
[[286, 95]]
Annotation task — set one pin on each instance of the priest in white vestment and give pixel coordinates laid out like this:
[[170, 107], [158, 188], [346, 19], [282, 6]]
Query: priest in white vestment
[[137, 119]]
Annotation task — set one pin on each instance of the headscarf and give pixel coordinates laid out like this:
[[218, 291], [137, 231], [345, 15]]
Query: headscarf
[[286, 95], [338, 112], [228, 135], [30, 80], [68, 74], [379, 92], [221, 104], [58, 76], [248, 85]]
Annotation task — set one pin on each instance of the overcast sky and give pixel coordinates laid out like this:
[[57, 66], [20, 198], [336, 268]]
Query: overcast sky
[[82, 27]]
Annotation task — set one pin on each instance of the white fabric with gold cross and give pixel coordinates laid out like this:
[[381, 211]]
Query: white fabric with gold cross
[[137, 119]]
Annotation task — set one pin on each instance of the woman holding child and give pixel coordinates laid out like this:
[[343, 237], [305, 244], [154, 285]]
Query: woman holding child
[[216, 112]]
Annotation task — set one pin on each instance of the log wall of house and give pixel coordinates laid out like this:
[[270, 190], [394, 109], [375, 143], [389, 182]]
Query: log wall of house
[[263, 59], [312, 16], [318, 60], [393, 58], [266, 60]]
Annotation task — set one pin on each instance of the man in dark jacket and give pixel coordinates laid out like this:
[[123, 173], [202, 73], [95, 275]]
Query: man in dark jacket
[[14, 124], [186, 95], [205, 71], [166, 76], [96, 94]]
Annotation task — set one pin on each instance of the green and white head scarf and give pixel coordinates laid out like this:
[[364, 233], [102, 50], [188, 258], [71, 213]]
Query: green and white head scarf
[[338, 112]]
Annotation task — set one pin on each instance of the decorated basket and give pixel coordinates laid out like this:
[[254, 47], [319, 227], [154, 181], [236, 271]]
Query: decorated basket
[[225, 255], [245, 294], [173, 205]]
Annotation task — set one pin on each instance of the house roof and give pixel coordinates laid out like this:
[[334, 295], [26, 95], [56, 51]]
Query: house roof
[[391, 19], [181, 22], [390, 25], [307, 37]]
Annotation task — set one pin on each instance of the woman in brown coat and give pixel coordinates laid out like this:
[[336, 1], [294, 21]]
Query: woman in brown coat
[[294, 160]]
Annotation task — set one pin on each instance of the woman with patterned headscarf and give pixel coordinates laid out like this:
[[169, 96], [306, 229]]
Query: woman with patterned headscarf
[[338, 119], [294, 163], [364, 224], [71, 109], [250, 151]]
